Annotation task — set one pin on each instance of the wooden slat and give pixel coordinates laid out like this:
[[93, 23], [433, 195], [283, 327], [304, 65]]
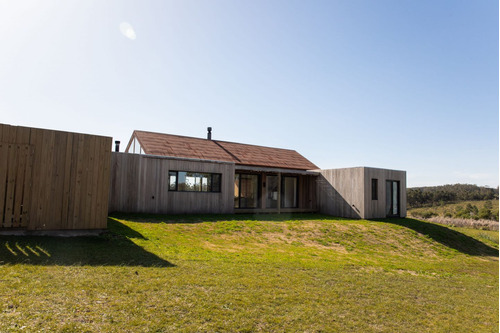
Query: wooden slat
[[44, 198], [86, 180], [65, 215], [4, 158], [57, 183], [77, 154], [11, 185], [94, 188], [97, 204], [36, 141], [104, 183], [22, 155], [27, 193]]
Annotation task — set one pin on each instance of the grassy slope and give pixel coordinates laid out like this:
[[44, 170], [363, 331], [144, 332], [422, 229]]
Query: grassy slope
[[267, 273]]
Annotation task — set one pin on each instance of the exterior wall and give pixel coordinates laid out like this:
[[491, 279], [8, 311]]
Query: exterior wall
[[341, 192], [139, 184], [347, 192], [63, 179], [376, 208], [307, 193]]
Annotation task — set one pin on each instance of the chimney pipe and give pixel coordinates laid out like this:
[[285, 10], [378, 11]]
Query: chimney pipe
[[117, 146], [209, 134]]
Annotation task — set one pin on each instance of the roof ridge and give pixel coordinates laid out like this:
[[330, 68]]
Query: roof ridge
[[253, 145]]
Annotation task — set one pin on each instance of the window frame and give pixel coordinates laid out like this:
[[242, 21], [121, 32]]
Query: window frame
[[259, 190], [210, 188]]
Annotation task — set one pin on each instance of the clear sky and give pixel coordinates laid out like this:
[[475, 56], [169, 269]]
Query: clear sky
[[399, 84]]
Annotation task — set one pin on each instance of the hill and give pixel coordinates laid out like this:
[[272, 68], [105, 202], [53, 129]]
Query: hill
[[439, 195], [244, 273]]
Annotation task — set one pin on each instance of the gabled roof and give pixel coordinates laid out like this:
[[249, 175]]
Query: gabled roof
[[241, 154]]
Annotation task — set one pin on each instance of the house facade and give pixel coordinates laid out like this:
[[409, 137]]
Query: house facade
[[172, 174]]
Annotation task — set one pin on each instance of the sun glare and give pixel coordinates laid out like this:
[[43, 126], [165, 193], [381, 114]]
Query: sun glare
[[127, 30]]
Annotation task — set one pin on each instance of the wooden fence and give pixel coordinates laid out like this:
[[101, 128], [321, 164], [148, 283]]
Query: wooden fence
[[53, 180]]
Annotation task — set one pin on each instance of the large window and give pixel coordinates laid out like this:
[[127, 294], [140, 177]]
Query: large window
[[289, 192], [185, 181], [246, 191]]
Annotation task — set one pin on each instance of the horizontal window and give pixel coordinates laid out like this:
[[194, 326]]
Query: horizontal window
[[184, 181]]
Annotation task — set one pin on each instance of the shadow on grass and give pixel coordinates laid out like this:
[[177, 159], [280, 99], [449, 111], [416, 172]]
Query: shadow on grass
[[113, 248], [448, 237]]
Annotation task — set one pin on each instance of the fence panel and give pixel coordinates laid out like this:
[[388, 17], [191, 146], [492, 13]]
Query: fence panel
[[53, 180]]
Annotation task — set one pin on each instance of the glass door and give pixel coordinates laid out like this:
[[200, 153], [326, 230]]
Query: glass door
[[246, 191], [271, 191], [392, 198], [289, 197]]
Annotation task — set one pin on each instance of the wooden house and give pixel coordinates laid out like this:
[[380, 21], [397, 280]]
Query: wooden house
[[172, 174]]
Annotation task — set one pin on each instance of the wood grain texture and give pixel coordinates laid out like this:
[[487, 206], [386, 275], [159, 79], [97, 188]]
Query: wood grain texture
[[347, 192], [58, 180], [377, 208], [139, 183]]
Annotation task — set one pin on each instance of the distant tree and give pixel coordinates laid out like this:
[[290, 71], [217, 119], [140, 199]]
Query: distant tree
[[485, 211], [434, 195]]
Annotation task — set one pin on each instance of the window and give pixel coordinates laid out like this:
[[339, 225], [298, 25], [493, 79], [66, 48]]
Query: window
[[246, 191], [185, 181], [374, 189], [135, 146], [289, 192], [392, 198]]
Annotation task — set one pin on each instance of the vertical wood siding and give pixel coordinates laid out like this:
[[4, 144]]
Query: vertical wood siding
[[376, 208], [139, 183], [347, 192], [341, 192], [53, 180]]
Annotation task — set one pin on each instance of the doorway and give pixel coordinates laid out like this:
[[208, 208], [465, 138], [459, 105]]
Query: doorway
[[392, 206]]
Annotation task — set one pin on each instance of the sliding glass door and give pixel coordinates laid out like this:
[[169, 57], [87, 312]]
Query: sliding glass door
[[272, 188], [246, 191], [392, 198], [289, 192]]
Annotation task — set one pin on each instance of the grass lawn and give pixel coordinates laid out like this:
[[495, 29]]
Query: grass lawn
[[243, 273]]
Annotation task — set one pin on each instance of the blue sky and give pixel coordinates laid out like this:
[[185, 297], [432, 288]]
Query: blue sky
[[408, 85]]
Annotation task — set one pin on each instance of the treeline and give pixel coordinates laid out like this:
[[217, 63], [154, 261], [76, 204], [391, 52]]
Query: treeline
[[439, 195], [485, 211]]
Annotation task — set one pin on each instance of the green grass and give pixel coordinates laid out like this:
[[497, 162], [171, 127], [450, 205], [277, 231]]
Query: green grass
[[236, 273]]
